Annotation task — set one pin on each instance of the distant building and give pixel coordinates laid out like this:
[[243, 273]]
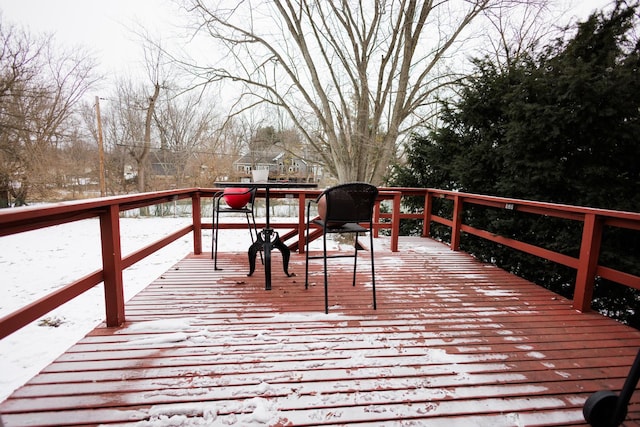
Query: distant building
[[282, 166]]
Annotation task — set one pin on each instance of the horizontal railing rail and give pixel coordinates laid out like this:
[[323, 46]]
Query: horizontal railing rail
[[593, 221], [108, 210]]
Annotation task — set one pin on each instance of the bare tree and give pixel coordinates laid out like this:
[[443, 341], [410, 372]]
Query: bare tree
[[133, 110], [78, 162], [519, 30], [224, 148], [184, 128], [141, 156], [353, 78], [41, 86]]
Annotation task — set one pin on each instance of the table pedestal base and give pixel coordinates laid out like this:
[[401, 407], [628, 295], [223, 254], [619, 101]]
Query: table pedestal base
[[267, 240]]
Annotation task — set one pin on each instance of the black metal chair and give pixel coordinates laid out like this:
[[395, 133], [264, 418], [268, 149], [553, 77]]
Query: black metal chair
[[220, 206], [343, 209]]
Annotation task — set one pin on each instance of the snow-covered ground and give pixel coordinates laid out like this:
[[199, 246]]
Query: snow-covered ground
[[35, 263]]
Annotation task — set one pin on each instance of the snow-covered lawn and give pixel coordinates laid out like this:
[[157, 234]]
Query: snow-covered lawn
[[35, 263]]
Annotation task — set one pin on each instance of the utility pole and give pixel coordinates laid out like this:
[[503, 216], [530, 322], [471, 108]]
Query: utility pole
[[103, 186]]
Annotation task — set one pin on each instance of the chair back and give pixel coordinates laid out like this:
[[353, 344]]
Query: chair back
[[350, 202], [253, 192]]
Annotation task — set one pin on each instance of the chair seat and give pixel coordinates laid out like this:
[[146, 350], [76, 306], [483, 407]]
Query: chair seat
[[227, 209], [349, 227]]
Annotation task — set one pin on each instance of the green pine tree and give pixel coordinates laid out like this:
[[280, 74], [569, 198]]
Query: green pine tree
[[560, 126]]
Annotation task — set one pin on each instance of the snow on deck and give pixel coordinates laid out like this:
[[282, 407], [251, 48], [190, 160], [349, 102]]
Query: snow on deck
[[452, 343]]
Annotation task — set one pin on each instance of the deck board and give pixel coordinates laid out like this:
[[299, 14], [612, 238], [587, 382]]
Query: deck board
[[453, 342]]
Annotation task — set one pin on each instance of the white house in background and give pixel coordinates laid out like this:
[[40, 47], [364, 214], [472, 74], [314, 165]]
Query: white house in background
[[282, 166]]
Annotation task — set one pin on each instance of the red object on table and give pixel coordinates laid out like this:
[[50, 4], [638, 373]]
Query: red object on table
[[237, 198]]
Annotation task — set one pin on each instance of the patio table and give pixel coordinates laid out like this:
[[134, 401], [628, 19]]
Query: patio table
[[268, 238]]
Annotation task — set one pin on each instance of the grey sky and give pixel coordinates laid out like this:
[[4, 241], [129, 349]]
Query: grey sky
[[105, 28]]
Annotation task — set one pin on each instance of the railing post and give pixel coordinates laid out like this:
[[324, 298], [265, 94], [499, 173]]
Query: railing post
[[196, 215], [112, 266], [302, 202], [456, 223], [588, 262], [426, 221], [376, 219], [395, 221]]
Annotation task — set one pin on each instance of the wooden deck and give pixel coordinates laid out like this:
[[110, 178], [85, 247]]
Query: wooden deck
[[453, 343]]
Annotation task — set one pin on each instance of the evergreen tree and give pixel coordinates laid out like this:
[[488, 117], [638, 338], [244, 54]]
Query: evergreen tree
[[561, 126]]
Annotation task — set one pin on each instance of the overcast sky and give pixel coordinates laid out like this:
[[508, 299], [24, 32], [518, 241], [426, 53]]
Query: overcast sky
[[105, 27]]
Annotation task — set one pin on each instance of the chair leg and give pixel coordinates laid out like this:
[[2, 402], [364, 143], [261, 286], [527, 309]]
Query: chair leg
[[306, 263], [255, 229], [326, 277], [215, 241], [355, 259], [213, 228], [373, 270]]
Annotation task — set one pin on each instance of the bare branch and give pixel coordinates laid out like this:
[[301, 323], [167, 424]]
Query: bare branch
[[352, 79]]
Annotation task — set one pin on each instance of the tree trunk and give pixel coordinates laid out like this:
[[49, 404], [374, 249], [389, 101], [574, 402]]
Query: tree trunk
[[143, 158]]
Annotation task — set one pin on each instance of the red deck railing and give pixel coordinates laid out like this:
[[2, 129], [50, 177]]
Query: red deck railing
[[108, 211]]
